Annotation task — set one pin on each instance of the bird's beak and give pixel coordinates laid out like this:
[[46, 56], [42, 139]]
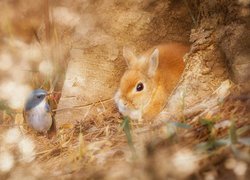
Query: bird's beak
[[49, 93]]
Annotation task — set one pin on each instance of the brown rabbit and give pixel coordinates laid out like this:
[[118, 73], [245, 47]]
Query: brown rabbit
[[149, 79]]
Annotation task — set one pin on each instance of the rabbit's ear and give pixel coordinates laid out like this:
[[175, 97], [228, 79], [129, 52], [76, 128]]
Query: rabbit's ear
[[153, 63], [129, 56]]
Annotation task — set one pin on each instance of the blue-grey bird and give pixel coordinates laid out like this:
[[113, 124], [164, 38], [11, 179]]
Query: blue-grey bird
[[37, 111]]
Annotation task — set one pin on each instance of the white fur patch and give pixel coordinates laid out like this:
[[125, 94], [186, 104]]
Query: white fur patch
[[119, 102], [133, 114]]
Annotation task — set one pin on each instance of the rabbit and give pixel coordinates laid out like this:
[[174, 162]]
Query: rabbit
[[149, 80]]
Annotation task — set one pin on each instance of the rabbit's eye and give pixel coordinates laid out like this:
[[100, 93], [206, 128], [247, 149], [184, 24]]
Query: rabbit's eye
[[139, 87]]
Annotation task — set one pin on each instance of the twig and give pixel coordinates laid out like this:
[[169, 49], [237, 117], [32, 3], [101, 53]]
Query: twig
[[84, 105], [85, 115], [46, 19], [191, 14], [46, 151]]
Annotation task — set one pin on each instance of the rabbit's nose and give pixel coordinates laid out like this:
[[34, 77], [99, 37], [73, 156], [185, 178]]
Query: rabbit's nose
[[125, 104]]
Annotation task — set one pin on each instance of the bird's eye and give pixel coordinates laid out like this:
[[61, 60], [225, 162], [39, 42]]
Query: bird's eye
[[39, 96], [139, 87]]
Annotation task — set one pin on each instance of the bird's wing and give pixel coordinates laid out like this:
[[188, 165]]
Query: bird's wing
[[47, 107]]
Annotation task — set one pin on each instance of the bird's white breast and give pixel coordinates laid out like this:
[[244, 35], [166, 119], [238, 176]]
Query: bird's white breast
[[38, 118]]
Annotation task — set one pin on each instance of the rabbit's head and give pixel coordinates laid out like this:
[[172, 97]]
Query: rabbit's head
[[138, 83]]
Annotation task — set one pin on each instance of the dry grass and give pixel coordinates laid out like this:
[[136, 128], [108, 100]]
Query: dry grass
[[97, 148]]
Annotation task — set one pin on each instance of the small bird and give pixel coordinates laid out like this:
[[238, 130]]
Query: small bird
[[37, 111]]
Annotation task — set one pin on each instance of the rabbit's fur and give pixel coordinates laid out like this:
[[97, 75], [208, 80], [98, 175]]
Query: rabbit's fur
[[149, 79]]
